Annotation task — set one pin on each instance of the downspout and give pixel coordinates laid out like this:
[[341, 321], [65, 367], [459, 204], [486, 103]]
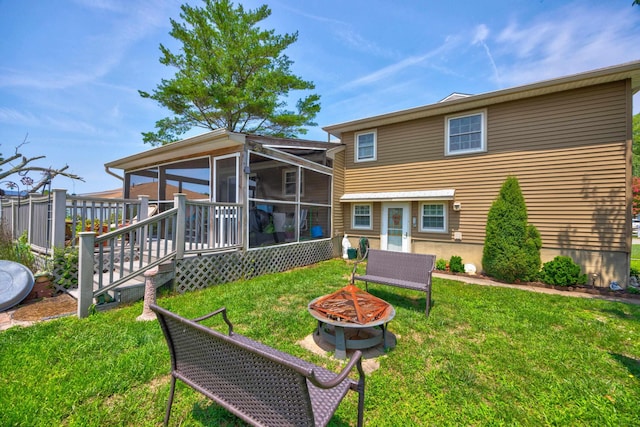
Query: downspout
[[107, 170]]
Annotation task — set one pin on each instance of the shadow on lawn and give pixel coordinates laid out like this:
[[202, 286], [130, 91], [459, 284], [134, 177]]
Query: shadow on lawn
[[632, 365], [409, 302], [212, 414], [622, 314]]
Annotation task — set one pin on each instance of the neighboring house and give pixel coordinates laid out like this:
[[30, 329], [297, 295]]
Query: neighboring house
[[423, 179], [282, 185]]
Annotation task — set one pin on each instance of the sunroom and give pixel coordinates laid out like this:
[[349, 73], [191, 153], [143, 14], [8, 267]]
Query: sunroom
[[244, 191]]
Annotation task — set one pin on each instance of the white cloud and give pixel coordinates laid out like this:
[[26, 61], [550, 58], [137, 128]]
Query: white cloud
[[356, 41], [91, 58], [393, 70], [570, 40], [481, 34], [347, 35], [15, 117], [28, 119]]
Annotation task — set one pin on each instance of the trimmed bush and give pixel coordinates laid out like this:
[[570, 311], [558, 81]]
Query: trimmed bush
[[562, 271], [455, 264], [512, 246], [441, 264]]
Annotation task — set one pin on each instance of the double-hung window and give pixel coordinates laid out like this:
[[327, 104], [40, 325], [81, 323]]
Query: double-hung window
[[365, 150], [433, 217], [466, 133], [362, 216], [290, 182]]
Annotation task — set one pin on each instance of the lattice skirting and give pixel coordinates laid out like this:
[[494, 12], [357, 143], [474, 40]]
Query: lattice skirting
[[45, 263], [199, 272]]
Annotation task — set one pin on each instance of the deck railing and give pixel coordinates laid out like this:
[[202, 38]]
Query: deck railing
[[55, 219], [117, 240], [109, 260]]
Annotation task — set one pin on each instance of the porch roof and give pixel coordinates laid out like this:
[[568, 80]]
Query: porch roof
[[208, 142], [185, 148], [396, 196]]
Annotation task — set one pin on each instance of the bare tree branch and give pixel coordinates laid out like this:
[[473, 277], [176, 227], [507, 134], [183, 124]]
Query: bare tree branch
[[25, 166]]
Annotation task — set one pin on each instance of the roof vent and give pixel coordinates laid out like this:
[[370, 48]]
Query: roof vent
[[455, 96]]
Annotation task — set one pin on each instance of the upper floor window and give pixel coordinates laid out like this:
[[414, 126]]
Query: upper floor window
[[433, 217], [365, 146], [362, 216], [466, 134]]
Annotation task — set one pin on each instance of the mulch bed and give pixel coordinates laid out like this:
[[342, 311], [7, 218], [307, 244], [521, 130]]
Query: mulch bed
[[603, 291], [46, 308], [43, 303]]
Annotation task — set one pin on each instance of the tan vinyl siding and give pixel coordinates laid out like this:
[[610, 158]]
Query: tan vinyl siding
[[568, 150], [376, 218], [338, 226]]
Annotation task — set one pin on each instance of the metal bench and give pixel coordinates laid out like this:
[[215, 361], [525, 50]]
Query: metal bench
[[259, 384], [400, 269]]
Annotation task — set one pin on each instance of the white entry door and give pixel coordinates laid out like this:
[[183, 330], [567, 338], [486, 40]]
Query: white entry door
[[395, 227]]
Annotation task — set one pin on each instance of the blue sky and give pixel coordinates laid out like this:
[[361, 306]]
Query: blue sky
[[70, 70]]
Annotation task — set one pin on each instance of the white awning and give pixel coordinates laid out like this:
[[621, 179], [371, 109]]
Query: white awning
[[396, 196]]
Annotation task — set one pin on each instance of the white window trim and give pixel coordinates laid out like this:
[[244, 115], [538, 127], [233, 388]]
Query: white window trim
[[445, 211], [299, 173], [214, 174], [375, 146], [353, 216], [483, 133]]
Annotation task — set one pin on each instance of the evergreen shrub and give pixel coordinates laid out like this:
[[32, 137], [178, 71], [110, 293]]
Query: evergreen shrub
[[455, 264], [512, 246], [562, 271]]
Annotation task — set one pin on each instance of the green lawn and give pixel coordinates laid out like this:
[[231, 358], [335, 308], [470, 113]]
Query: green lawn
[[485, 356], [635, 257]]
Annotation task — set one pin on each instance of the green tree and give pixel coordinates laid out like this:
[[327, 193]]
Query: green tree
[[230, 74], [512, 246]]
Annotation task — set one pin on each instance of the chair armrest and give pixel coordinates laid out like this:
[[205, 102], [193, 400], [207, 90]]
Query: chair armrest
[[355, 361], [222, 310], [355, 265]]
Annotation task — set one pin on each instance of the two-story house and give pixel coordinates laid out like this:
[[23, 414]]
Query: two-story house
[[423, 179]]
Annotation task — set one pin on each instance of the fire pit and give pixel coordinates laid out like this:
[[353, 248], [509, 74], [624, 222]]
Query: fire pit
[[349, 319]]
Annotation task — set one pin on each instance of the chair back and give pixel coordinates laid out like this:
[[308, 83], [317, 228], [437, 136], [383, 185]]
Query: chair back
[[241, 375], [401, 265]]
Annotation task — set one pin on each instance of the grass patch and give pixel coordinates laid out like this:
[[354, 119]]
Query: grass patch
[[485, 356], [635, 257]]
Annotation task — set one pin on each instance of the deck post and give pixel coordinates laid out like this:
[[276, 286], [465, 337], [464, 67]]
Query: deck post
[[180, 201], [143, 210], [144, 207], [58, 218], [85, 272]]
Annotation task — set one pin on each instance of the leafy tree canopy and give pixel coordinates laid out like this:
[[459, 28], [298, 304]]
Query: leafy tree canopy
[[230, 74]]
